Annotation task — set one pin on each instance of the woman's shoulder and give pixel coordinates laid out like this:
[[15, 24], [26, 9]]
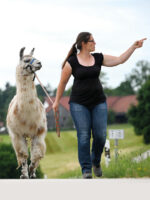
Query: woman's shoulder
[[97, 54], [98, 57], [71, 59]]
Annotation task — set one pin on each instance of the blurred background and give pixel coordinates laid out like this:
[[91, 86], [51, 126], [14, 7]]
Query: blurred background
[[51, 27]]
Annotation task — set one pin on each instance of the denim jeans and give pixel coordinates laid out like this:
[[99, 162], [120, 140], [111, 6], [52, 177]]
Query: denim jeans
[[89, 121]]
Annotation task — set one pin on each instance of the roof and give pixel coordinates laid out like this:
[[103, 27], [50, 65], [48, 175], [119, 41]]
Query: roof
[[121, 104], [63, 101], [116, 103]]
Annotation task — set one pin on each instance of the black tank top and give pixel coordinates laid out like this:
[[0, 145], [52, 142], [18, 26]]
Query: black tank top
[[87, 89]]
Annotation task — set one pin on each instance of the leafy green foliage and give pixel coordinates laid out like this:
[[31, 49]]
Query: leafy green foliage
[[111, 117], [133, 82], [123, 89], [146, 134], [140, 74], [139, 115], [8, 164], [40, 92], [103, 78], [5, 98]]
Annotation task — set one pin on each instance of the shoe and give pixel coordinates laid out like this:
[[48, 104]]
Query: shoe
[[87, 175], [97, 171]]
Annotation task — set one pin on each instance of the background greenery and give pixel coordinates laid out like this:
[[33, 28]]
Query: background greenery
[[139, 115], [61, 159], [8, 162], [132, 83]]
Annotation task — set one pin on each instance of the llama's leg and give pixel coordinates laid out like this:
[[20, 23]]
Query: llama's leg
[[38, 149], [21, 149], [24, 170]]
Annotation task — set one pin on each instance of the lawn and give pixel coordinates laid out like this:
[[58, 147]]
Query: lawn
[[61, 159]]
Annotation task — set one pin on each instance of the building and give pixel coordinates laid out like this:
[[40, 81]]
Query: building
[[118, 104], [2, 128], [65, 120]]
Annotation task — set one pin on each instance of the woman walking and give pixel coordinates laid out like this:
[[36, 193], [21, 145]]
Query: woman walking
[[87, 101]]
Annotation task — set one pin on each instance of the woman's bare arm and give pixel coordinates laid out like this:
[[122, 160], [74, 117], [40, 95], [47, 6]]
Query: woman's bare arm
[[65, 75], [110, 61]]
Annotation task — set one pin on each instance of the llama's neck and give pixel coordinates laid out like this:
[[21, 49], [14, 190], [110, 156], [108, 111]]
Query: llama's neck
[[25, 88]]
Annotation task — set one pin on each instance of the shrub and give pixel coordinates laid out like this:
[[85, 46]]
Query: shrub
[[146, 133], [111, 117], [8, 163]]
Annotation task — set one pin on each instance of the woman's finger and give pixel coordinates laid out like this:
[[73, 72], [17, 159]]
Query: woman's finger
[[142, 40]]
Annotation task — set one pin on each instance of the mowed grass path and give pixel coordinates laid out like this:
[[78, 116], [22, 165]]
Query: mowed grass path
[[61, 159], [61, 155]]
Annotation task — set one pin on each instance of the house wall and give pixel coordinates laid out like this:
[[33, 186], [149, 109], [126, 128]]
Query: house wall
[[65, 120]]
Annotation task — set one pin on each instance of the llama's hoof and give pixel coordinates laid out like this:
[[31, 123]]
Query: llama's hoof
[[24, 177], [33, 175], [32, 171]]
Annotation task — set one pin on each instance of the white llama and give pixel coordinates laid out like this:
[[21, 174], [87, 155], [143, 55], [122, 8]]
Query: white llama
[[26, 116]]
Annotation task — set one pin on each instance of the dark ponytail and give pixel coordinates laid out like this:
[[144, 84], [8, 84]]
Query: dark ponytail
[[82, 37], [72, 51]]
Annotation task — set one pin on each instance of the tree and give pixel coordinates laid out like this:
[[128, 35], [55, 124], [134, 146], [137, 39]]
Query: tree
[[5, 99], [139, 116], [123, 89], [103, 79], [133, 82], [67, 92], [111, 117], [40, 92], [139, 75]]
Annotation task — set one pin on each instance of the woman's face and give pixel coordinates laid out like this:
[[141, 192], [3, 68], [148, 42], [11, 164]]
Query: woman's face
[[90, 45]]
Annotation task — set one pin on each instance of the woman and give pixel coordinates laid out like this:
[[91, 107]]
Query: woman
[[87, 101]]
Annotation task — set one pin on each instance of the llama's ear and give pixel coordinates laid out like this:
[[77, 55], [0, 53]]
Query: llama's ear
[[32, 51], [21, 52]]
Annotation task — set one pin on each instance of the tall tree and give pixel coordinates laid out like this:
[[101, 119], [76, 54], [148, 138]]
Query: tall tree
[[123, 89], [133, 82], [5, 99], [139, 116], [103, 78], [41, 93], [140, 74]]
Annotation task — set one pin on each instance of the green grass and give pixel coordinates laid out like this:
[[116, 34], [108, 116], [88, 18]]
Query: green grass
[[61, 155], [61, 159], [4, 138], [124, 167]]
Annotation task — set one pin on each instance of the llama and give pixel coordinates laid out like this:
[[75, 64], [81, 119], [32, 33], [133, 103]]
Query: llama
[[26, 117]]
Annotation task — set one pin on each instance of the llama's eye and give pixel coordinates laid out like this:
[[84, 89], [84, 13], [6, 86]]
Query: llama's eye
[[26, 61]]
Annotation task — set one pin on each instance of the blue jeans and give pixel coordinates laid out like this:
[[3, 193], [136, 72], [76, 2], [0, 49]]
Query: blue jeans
[[87, 120]]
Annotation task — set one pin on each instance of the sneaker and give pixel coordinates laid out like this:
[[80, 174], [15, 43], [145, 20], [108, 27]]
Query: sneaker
[[87, 175], [97, 171]]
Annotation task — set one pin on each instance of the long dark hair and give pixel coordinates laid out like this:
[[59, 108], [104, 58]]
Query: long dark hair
[[82, 37]]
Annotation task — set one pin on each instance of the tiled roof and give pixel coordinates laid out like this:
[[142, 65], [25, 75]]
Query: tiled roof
[[63, 102], [121, 104], [115, 103]]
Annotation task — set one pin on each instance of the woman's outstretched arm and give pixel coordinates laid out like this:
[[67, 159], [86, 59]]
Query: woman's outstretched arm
[[110, 61]]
